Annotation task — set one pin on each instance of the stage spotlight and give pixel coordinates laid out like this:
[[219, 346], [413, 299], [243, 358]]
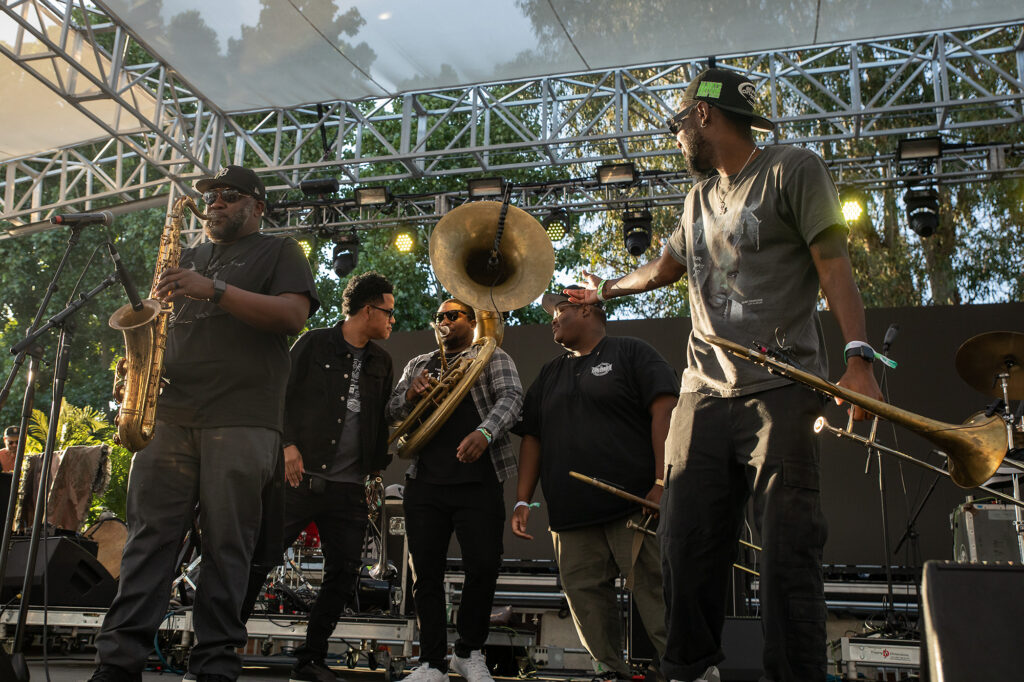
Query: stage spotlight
[[346, 254], [616, 173], [922, 210], [556, 224], [485, 187], [404, 242], [636, 230], [913, 149], [854, 206], [319, 186], [372, 196], [306, 243]]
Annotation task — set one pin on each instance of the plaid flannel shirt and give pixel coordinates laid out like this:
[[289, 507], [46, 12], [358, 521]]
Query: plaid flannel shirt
[[497, 394]]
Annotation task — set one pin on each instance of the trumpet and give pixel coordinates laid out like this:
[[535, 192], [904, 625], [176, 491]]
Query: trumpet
[[973, 451]]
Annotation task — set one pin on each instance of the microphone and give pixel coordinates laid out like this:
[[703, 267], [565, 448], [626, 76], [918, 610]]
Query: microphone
[[890, 336], [122, 274], [101, 218]]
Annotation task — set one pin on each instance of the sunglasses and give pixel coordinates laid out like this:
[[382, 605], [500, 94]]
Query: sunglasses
[[229, 196], [675, 124], [450, 315], [390, 312]]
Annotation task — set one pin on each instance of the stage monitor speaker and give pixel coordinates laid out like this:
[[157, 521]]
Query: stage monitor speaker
[[972, 621], [74, 577]]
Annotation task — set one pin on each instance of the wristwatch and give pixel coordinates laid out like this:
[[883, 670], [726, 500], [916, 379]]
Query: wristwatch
[[219, 287], [865, 352]]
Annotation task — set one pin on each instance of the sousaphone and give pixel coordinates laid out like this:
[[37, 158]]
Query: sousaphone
[[494, 258]]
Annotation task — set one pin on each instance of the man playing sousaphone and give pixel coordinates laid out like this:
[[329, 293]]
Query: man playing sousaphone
[[455, 483]]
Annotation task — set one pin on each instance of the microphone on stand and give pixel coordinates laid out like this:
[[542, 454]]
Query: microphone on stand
[[890, 335], [122, 274], [101, 218]]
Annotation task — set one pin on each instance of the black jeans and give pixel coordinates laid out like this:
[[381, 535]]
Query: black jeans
[[476, 512], [721, 452], [225, 470], [339, 511]]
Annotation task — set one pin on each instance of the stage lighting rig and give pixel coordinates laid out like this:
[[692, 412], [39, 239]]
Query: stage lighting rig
[[636, 230], [404, 242], [345, 256], [855, 208], [922, 210], [485, 187], [319, 186], [372, 196], [616, 173], [557, 224]]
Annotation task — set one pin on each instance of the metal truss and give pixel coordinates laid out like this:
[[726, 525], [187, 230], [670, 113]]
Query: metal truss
[[848, 100]]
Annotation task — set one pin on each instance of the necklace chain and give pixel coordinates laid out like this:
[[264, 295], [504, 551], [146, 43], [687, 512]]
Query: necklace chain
[[722, 208]]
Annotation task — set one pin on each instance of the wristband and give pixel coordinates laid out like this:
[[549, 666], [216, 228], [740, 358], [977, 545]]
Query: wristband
[[487, 434], [600, 290], [660, 482], [864, 350], [521, 503], [219, 287]]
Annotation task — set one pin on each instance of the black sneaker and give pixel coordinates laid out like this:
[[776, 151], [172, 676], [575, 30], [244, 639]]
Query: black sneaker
[[113, 673], [212, 677], [312, 671]]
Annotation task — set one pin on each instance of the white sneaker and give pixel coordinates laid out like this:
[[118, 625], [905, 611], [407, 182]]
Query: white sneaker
[[472, 669], [424, 673]]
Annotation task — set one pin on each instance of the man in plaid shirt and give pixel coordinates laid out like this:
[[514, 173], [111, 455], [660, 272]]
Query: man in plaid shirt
[[455, 482]]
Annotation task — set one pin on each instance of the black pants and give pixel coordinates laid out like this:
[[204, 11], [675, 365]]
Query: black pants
[[225, 470], [339, 511], [476, 512], [721, 452]]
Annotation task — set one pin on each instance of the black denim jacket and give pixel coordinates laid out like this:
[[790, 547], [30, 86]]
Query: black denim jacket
[[317, 394]]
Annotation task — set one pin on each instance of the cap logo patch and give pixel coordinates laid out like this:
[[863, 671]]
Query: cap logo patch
[[602, 369], [709, 89], [222, 172], [747, 90]]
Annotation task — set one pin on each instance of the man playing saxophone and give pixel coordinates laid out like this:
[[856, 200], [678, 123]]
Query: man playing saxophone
[[218, 434], [455, 482], [335, 435]]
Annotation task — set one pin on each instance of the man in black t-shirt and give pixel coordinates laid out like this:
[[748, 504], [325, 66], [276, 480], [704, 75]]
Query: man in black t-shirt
[[455, 483], [217, 439], [335, 435], [603, 410]]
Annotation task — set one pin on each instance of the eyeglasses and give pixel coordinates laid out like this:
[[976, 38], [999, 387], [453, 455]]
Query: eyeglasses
[[389, 311], [675, 124], [229, 196], [450, 315]]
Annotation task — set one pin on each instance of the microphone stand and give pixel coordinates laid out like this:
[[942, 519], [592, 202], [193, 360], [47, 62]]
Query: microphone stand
[[16, 667]]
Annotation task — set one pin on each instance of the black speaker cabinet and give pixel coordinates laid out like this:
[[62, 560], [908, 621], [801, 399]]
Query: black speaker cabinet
[[972, 621], [74, 577]]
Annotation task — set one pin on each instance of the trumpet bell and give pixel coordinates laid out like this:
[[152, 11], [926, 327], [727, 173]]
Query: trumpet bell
[[460, 248]]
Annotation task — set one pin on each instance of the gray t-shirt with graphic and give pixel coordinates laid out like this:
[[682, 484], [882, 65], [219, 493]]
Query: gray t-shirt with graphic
[[745, 243]]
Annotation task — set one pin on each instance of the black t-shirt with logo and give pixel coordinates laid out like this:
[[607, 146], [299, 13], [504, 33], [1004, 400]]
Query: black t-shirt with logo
[[591, 414], [223, 372], [437, 462]]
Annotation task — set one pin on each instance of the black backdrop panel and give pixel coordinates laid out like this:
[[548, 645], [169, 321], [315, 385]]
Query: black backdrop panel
[[925, 383]]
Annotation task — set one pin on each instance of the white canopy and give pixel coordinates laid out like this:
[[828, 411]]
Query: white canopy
[[243, 55]]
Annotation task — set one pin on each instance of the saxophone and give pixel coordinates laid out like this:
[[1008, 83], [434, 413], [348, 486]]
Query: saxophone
[[137, 376]]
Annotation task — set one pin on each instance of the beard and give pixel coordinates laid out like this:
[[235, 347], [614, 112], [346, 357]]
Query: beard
[[697, 155], [222, 227]]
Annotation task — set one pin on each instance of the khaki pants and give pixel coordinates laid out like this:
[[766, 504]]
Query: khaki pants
[[589, 561]]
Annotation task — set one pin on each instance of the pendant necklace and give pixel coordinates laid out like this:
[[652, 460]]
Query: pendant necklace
[[718, 185]]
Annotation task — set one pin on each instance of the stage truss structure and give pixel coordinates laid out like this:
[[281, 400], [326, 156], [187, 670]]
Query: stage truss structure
[[850, 101]]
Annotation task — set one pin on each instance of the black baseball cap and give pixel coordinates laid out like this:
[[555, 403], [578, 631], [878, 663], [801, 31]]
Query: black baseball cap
[[235, 177], [11, 432], [551, 301], [726, 90]]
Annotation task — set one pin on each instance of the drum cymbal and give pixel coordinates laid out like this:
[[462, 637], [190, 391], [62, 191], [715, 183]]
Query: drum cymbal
[[981, 359]]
